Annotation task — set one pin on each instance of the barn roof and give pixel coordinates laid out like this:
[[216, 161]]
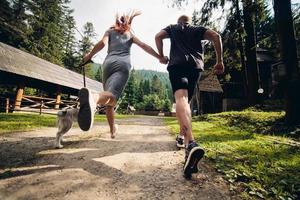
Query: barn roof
[[21, 65], [209, 82]]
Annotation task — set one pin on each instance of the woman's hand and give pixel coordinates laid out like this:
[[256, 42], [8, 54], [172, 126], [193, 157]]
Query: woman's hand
[[164, 60], [86, 58]]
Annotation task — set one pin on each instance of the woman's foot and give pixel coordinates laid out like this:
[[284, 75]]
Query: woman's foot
[[114, 132]]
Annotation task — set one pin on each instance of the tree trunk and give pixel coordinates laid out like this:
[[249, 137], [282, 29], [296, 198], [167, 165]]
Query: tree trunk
[[250, 50], [241, 48], [288, 51]]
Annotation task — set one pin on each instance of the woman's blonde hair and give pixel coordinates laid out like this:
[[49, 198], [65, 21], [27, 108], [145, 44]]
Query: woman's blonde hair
[[123, 22]]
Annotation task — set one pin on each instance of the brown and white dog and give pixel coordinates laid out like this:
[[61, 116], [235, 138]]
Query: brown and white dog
[[65, 119]]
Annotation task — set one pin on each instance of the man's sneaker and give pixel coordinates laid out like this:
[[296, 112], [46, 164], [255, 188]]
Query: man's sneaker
[[87, 107], [193, 155], [180, 141]]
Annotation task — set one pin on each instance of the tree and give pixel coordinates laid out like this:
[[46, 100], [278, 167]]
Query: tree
[[152, 102], [129, 93], [13, 28], [146, 87], [288, 51], [86, 44], [99, 74], [157, 87], [140, 92], [43, 28], [252, 70], [71, 58], [46, 30]]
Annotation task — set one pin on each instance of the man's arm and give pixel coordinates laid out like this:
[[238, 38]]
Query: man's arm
[[215, 38], [159, 42]]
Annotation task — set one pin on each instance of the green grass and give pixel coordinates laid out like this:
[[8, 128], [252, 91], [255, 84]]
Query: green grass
[[16, 122], [250, 150]]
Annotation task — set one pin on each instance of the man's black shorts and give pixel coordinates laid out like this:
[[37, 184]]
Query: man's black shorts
[[184, 77]]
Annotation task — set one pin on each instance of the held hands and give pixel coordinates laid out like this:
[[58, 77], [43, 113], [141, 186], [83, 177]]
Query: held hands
[[164, 60], [219, 68]]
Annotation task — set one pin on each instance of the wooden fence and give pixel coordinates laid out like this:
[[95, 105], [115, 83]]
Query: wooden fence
[[35, 104]]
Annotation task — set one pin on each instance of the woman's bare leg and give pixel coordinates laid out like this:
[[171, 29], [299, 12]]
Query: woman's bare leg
[[110, 115], [106, 99]]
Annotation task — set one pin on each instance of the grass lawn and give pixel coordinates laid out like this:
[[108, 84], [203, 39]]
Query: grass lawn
[[253, 150], [15, 122]]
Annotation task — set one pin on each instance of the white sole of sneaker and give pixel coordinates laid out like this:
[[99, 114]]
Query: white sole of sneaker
[[191, 164], [180, 145]]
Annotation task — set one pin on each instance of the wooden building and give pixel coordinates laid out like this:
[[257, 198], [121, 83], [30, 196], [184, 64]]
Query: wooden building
[[22, 69], [208, 94]]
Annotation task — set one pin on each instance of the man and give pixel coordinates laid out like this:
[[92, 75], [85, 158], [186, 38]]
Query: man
[[184, 67]]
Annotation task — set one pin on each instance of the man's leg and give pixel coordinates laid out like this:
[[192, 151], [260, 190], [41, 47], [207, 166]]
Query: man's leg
[[193, 152], [183, 114]]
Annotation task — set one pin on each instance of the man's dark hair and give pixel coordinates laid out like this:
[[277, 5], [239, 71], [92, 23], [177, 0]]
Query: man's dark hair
[[184, 19]]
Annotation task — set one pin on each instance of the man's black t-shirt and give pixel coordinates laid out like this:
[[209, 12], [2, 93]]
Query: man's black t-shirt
[[186, 46]]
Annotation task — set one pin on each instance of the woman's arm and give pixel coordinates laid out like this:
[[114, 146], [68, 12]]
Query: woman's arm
[[97, 47], [146, 47]]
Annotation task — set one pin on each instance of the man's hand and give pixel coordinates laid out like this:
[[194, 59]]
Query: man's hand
[[219, 68], [164, 60]]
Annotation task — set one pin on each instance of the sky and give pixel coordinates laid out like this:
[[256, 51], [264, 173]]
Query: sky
[[156, 14]]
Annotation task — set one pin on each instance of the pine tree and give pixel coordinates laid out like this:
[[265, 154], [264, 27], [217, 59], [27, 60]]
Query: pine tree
[[13, 27], [86, 44], [47, 31], [71, 59], [140, 92], [129, 94], [288, 51], [99, 74], [146, 87], [157, 87]]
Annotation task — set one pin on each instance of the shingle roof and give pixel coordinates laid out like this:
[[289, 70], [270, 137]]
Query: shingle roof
[[209, 82], [15, 61]]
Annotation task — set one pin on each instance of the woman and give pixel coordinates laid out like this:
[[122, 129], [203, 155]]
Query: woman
[[116, 68]]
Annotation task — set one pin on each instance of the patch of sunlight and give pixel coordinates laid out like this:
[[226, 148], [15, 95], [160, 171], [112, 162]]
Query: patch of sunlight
[[14, 169], [141, 162], [65, 151]]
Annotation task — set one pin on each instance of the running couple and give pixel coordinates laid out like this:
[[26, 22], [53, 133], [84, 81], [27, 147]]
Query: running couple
[[184, 67]]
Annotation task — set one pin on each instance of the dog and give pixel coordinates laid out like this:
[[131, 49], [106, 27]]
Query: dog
[[65, 119]]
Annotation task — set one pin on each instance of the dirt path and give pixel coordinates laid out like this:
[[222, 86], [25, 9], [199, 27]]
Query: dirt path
[[141, 163]]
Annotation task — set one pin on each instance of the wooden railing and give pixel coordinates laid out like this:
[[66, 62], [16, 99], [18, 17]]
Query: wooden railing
[[36, 104]]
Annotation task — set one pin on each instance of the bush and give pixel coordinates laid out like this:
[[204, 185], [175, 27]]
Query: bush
[[152, 102]]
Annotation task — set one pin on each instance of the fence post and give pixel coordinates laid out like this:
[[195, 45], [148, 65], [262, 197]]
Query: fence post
[[41, 105], [7, 106], [19, 96], [58, 98]]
